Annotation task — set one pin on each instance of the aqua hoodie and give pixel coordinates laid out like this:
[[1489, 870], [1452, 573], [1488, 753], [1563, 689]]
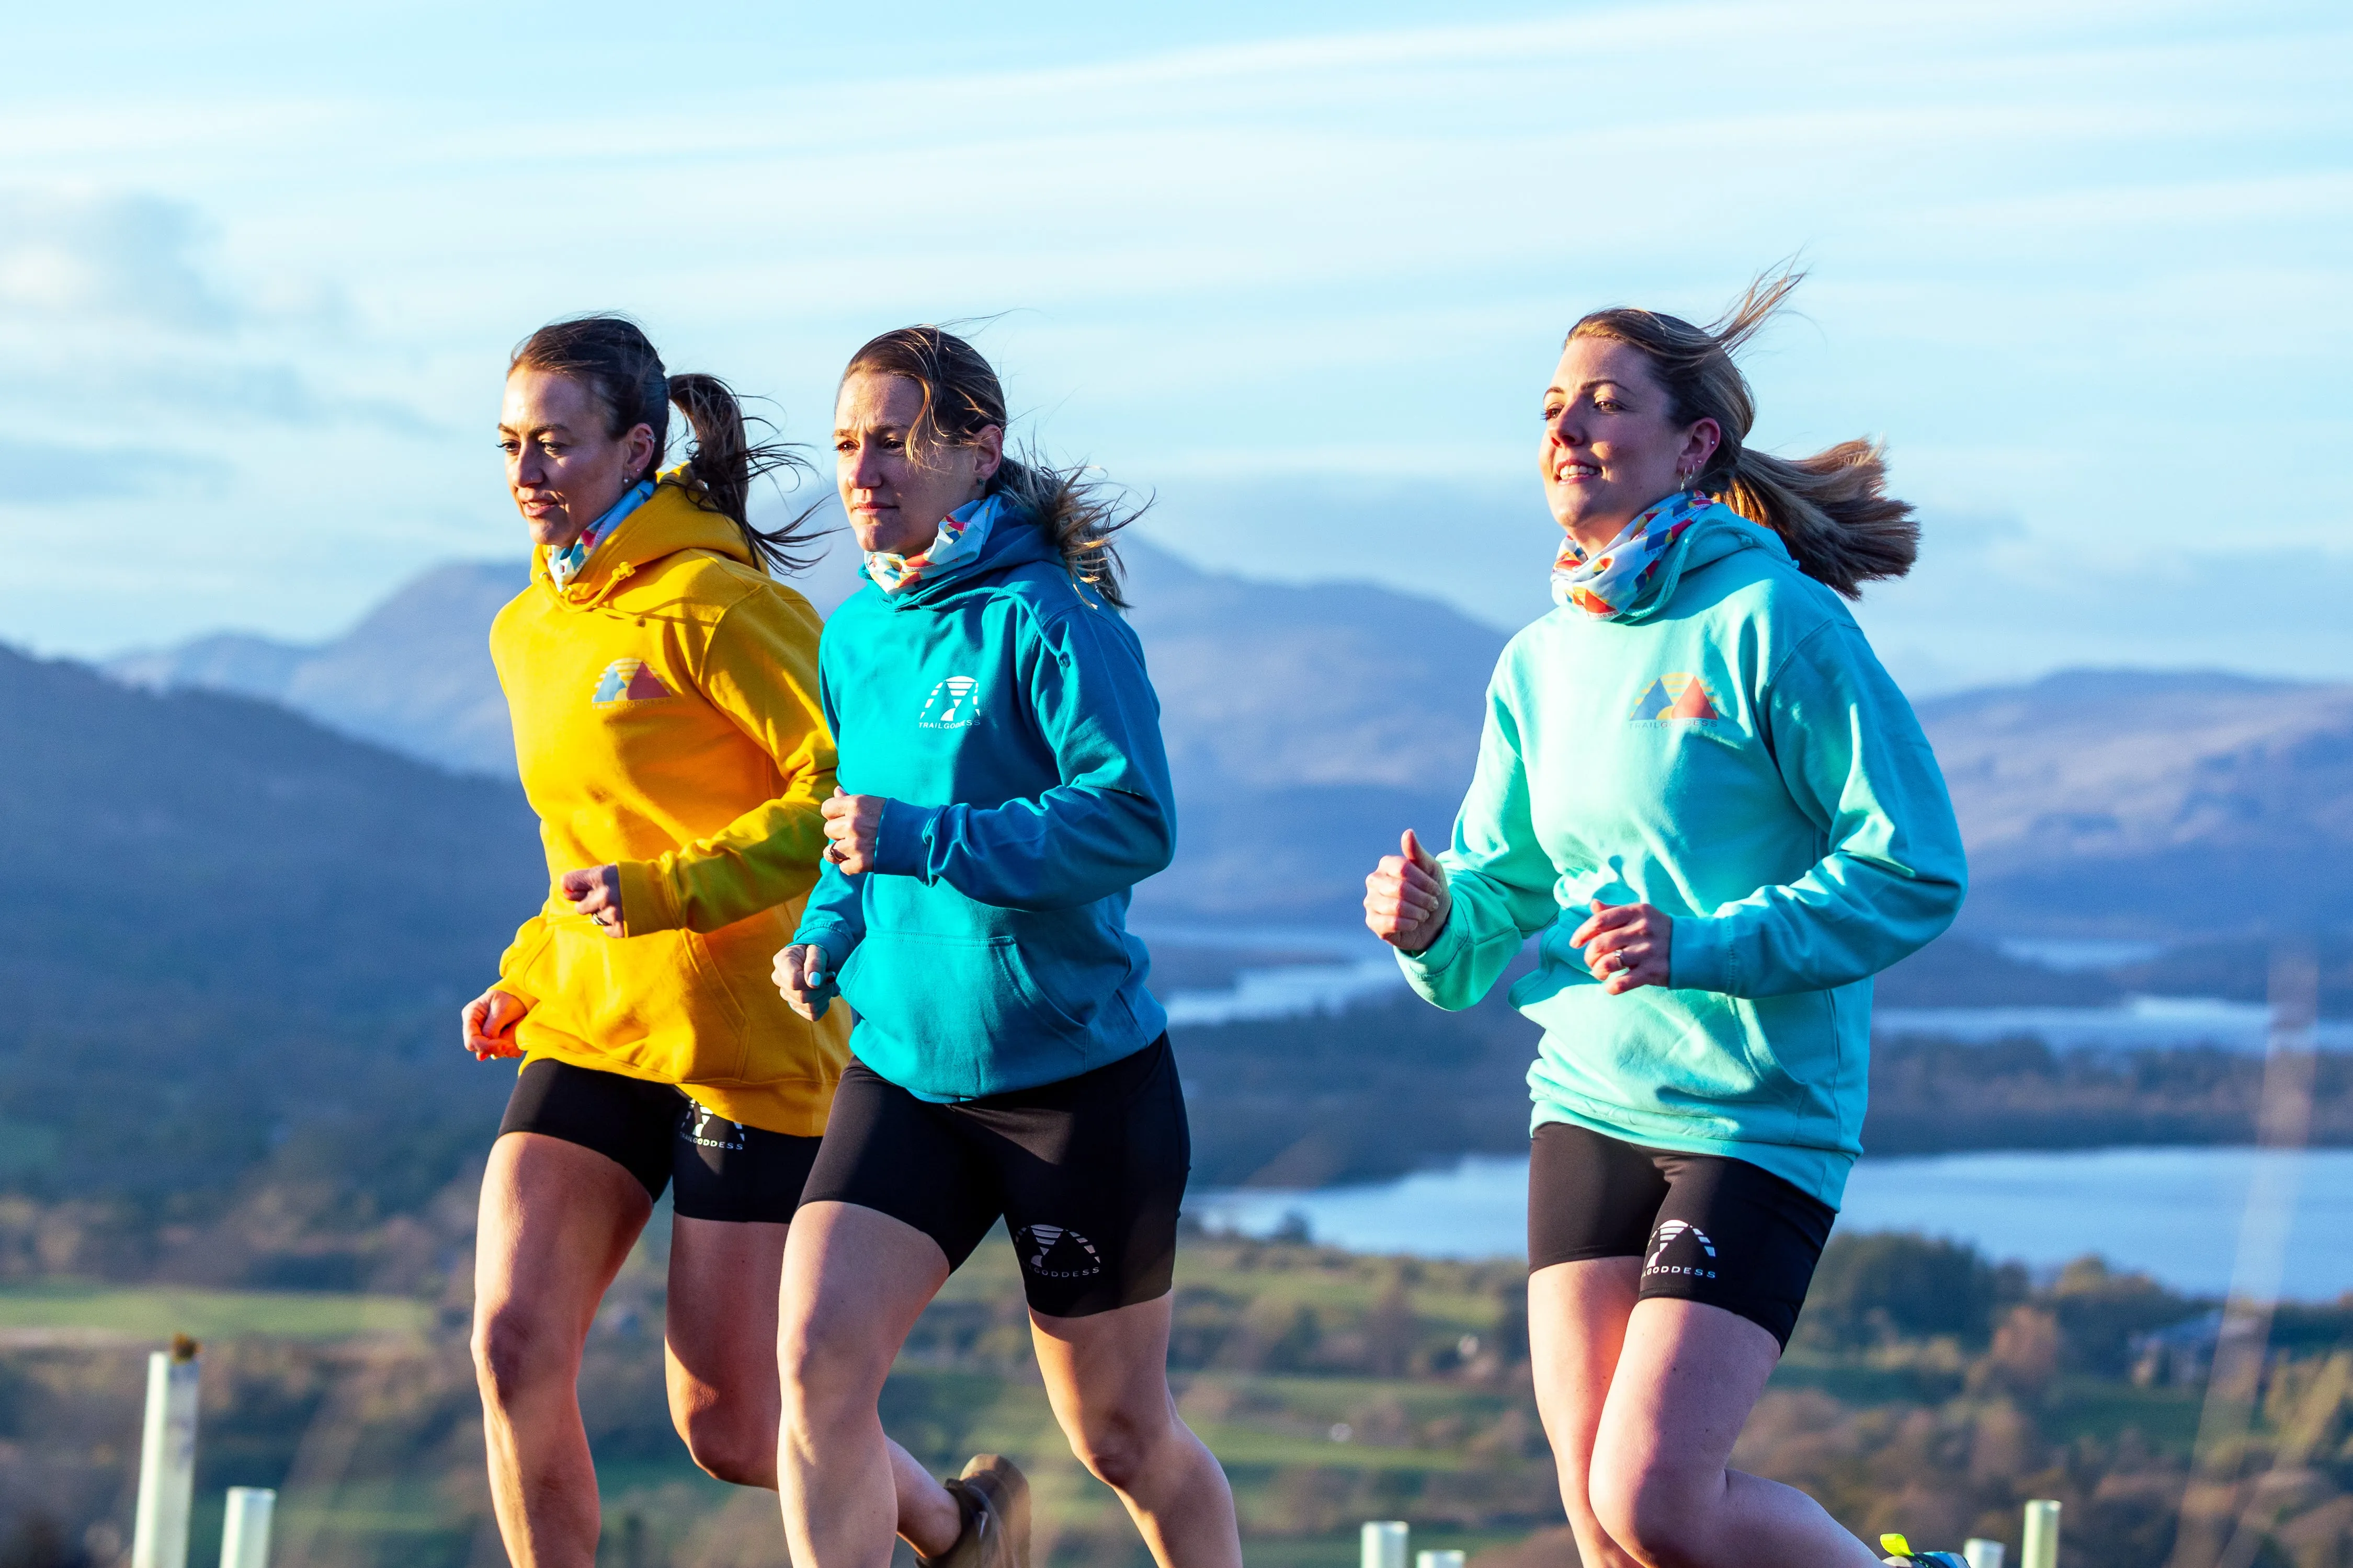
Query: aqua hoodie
[[1005, 712], [1731, 753]]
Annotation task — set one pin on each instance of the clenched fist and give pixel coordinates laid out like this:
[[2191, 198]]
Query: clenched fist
[[800, 975], [1626, 945], [852, 824], [597, 893], [1406, 897], [488, 1024]]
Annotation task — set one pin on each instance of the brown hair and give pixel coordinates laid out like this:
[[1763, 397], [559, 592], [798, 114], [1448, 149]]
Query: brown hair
[[1833, 508], [962, 397], [611, 356]]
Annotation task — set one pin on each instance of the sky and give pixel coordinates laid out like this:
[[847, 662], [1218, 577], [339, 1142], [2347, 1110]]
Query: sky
[[1298, 273]]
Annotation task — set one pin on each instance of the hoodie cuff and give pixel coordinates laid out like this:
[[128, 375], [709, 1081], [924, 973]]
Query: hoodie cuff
[[1439, 955], [833, 938], [646, 903], [902, 843], [1700, 955]]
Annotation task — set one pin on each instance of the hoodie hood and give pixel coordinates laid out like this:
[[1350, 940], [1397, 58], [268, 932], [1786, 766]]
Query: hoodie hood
[[668, 522], [1015, 540], [1635, 577]]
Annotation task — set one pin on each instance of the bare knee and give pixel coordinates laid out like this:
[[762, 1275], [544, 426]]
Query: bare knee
[[729, 1447], [1653, 1514], [830, 1369], [1117, 1446], [515, 1351]]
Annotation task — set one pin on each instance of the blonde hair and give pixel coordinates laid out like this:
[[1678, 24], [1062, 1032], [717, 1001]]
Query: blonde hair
[[962, 397], [1832, 510]]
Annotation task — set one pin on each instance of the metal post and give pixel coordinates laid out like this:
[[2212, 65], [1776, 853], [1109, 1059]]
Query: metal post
[[245, 1531], [1384, 1543], [1980, 1552], [167, 1458], [2040, 1548]]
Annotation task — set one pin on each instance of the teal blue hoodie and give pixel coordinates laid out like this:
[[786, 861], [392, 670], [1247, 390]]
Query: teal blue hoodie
[[1005, 712], [1730, 751]]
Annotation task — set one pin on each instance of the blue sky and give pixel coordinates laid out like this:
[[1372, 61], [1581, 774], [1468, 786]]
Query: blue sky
[[1301, 271]]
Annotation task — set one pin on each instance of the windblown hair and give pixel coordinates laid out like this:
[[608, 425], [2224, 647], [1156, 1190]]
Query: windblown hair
[[611, 357], [962, 397], [1833, 508]]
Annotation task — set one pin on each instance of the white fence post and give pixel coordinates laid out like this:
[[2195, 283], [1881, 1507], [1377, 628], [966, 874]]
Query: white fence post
[[1980, 1552], [167, 1458], [2040, 1548], [245, 1531], [1438, 1560], [1384, 1543]]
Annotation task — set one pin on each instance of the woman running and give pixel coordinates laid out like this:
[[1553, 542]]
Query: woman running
[[1699, 786], [662, 686], [1005, 789]]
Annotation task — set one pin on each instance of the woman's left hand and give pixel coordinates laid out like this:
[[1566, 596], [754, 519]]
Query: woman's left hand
[[1626, 945], [853, 824], [597, 895]]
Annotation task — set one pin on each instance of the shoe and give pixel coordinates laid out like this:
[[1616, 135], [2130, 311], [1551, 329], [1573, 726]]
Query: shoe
[[995, 1496], [1901, 1555]]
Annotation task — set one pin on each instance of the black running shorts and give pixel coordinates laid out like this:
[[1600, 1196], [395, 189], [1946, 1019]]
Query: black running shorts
[[724, 1170], [1087, 1173], [1706, 1227]]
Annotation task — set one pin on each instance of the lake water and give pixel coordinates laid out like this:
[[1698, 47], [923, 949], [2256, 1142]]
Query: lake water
[[1355, 975], [2174, 1214]]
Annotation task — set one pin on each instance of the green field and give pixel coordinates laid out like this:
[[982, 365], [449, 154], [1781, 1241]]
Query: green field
[[150, 1312], [1336, 1388]]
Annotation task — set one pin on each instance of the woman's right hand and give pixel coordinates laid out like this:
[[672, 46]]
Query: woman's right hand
[[801, 977], [489, 1021], [1406, 897]]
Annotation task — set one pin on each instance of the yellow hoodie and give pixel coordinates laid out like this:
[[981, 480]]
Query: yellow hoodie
[[666, 719]]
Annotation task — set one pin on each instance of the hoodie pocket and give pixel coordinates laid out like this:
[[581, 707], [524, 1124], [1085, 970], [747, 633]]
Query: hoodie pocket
[[655, 1002], [951, 1005], [1793, 1044]]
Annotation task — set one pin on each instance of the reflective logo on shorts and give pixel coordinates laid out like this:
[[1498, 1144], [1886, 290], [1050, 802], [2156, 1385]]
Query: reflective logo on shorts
[[1666, 1236], [710, 1131], [1052, 1253]]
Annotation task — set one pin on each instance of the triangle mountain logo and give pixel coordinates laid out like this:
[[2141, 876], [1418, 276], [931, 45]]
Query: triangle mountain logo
[[628, 680], [1676, 695]]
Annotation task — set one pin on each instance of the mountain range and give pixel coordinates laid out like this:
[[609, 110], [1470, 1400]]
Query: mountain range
[[233, 938], [1308, 725]]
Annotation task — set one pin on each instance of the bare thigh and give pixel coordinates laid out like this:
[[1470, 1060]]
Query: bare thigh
[[720, 1344], [556, 1224], [1577, 1314]]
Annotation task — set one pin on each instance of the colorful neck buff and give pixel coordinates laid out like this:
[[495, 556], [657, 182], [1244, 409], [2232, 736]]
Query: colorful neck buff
[[563, 565], [962, 533], [1607, 586]]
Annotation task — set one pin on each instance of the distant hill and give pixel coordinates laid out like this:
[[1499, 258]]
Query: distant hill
[[1307, 725], [414, 675], [2154, 804], [232, 942], [218, 919]]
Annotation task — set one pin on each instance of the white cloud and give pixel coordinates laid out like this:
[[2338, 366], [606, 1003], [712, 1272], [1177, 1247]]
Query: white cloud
[[112, 256], [1305, 280]]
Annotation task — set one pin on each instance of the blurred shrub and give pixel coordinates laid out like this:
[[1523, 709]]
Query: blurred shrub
[[1878, 1287]]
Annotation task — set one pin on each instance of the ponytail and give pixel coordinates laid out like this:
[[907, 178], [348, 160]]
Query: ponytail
[[613, 360], [1831, 509], [963, 398], [1079, 513]]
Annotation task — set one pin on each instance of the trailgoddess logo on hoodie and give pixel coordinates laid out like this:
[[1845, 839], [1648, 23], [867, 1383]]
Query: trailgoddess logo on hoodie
[[953, 704], [627, 680]]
